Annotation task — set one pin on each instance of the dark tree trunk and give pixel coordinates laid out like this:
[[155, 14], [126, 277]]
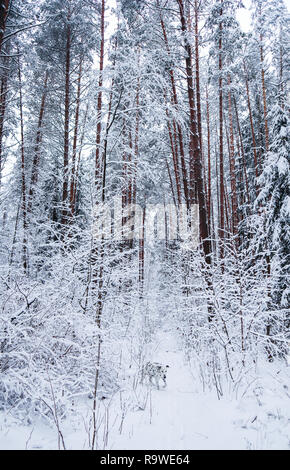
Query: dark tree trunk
[[4, 11], [196, 177], [221, 143], [3, 101], [36, 157], [98, 170], [232, 163], [251, 122], [75, 139], [179, 130], [23, 177], [66, 124]]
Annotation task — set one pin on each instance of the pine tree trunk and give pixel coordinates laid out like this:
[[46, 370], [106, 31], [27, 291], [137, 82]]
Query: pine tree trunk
[[66, 124], [281, 66], [23, 178], [124, 174], [141, 256], [197, 81], [108, 126], [3, 101], [242, 152], [74, 148], [208, 162], [221, 144], [36, 157], [264, 94], [171, 182], [196, 177], [197, 86], [100, 175], [174, 158], [136, 142], [79, 155], [179, 130], [98, 170], [4, 11], [232, 163], [251, 121]]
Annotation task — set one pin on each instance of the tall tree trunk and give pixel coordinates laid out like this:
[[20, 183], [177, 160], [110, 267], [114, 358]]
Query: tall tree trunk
[[124, 174], [141, 256], [136, 142], [11, 257], [75, 139], [4, 10], [99, 181], [79, 155], [242, 152], [135, 154], [36, 157], [171, 182], [232, 163], [264, 94], [195, 151], [98, 170], [228, 226], [208, 162], [23, 178], [281, 66], [110, 120], [221, 144], [179, 129], [251, 122], [197, 81], [130, 172], [197, 86], [66, 123], [3, 101], [174, 158]]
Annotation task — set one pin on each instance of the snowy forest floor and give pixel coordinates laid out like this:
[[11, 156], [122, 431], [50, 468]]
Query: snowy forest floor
[[180, 416]]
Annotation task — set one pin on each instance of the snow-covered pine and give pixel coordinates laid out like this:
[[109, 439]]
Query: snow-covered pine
[[160, 103], [273, 203]]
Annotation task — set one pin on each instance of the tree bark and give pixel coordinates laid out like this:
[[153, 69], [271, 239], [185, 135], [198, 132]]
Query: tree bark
[[208, 163], [3, 101], [4, 11], [251, 122], [196, 177], [221, 144], [79, 155], [74, 148], [179, 130], [66, 123], [232, 163], [141, 256], [36, 157], [264, 94], [23, 178], [174, 158], [197, 81], [242, 151], [98, 170]]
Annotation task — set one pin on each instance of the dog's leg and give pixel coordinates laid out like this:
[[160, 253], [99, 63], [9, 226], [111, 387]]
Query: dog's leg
[[157, 381]]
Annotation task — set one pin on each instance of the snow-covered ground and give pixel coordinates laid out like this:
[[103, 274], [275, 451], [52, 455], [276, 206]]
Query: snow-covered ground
[[180, 416]]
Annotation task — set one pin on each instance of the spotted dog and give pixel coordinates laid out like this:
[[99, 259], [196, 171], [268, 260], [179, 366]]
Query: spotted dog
[[156, 371]]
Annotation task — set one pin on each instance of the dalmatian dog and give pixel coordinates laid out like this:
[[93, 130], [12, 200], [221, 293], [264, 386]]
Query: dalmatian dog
[[156, 371]]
